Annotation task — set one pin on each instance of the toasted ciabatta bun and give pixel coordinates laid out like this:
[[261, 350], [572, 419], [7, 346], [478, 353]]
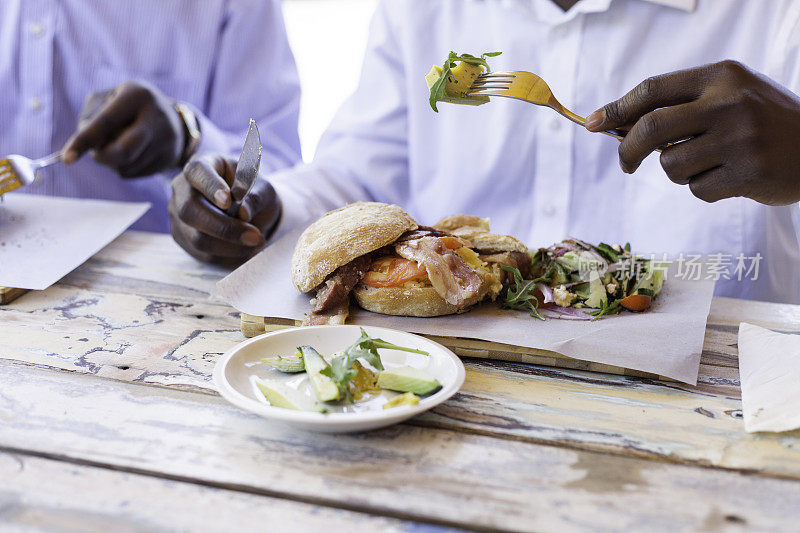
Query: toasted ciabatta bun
[[476, 230], [421, 299], [455, 222], [342, 235]]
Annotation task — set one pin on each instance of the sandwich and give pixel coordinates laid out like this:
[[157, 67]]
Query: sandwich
[[378, 255]]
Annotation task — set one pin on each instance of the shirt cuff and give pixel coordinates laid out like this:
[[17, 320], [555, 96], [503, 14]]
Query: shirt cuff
[[212, 138]]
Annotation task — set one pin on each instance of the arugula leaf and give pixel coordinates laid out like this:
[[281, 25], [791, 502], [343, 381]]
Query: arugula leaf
[[341, 369], [438, 91], [519, 293], [438, 88], [608, 252], [607, 309]]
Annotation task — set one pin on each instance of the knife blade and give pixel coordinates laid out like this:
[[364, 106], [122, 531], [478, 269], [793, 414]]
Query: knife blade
[[246, 169]]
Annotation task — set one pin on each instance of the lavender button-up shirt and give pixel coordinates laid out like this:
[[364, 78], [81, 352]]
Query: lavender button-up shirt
[[229, 59]]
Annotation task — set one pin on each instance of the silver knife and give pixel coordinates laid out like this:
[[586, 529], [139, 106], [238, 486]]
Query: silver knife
[[246, 169]]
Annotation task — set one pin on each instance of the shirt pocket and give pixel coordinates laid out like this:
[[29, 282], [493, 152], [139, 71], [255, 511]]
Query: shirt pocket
[[181, 88]]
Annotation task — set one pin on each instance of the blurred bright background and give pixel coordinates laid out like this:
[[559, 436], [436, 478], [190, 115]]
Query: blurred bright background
[[328, 38]]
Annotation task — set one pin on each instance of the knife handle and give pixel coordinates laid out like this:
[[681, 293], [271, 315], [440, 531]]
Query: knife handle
[[233, 210]]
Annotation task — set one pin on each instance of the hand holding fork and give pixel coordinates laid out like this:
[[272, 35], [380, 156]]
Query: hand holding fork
[[530, 88]]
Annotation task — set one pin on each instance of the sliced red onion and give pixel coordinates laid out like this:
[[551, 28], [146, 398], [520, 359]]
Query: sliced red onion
[[559, 251], [564, 247]]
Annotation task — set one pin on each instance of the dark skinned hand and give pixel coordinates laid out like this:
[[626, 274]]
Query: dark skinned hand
[[201, 193], [133, 129], [743, 130]]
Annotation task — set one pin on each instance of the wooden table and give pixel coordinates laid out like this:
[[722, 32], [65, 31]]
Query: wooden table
[[109, 420]]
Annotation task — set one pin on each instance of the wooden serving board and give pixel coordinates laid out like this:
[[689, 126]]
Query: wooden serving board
[[256, 325], [9, 294]]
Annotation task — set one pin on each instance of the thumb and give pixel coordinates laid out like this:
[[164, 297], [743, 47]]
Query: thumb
[[617, 114], [261, 199]]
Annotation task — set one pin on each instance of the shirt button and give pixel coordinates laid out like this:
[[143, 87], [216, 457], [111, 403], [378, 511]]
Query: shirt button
[[35, 103], [555, 124], [36, 29], [549, 210]]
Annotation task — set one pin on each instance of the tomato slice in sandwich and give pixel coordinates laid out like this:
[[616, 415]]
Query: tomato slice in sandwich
[[392, 272]]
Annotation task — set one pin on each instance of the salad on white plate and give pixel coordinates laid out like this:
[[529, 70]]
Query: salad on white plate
[[338, 378]]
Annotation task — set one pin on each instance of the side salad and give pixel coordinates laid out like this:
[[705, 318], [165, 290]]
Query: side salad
[[450, 82], [347, 377], [576, 280]]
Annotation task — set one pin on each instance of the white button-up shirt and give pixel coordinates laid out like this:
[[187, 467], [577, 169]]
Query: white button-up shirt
[[535, 174], [229, 59]]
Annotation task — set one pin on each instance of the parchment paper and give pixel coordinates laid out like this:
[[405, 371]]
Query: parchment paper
[[666, 340], [769, 370], [43, 238]]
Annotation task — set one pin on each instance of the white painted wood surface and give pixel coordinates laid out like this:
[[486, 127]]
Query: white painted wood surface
[[424, 474], [39, 494], [578, 449]]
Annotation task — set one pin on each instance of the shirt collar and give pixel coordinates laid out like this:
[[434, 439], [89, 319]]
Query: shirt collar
[[685, 5], [547, 11]]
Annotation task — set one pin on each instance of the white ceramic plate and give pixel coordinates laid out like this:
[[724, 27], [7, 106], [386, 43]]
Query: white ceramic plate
[[238, 370]]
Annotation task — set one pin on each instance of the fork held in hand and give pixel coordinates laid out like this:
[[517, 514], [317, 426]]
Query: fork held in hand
[[528, 87], [17, 171]]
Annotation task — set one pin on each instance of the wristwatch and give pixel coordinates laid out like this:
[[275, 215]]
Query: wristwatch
[[191, 130]]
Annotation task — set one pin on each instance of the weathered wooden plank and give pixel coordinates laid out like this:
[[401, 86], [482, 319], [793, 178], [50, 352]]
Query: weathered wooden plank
[[122, 336], [731, 312], [416, 473], [615, 414], [9, 294], [40, 494]]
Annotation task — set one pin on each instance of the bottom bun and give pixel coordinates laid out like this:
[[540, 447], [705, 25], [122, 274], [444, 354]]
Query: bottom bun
[[404, 301], [421, 300]]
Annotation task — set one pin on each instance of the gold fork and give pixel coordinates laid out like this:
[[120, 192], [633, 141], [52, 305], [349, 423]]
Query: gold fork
[[17, 171], [530, 88]]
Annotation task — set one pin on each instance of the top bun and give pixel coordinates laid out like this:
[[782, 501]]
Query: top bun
[[476, 230], [344, 234], [455, 222]]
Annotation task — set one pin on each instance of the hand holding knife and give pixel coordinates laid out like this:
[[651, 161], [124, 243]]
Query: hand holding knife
[[221, 211]]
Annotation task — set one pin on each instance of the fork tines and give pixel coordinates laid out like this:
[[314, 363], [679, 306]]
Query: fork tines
[[494, 81], [8, 179]]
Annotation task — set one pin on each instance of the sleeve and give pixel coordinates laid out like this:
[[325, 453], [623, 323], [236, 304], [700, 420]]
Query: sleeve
[[363, 154], [254, 76], [783, 57]]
